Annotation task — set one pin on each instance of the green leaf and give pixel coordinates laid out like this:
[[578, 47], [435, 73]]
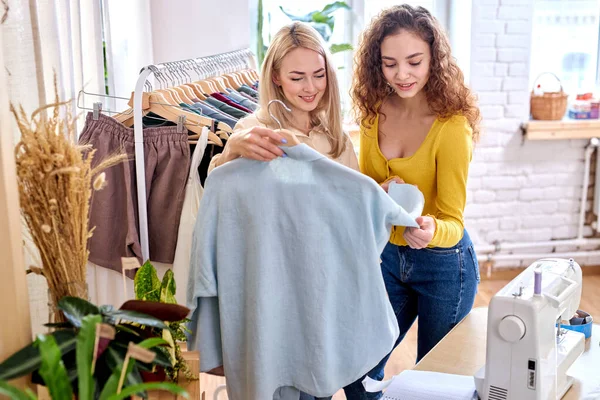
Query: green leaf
[[28, 359], [59, 325], [168, 288], [85, 354], [15, 393], [152, 342], [330, 8], [303, 18], [137, 317], [337, 48], [323, 29], [146, 284], [169, 387], [53, 369], [111, 386], [128, 329], [114, 361], [260, 47], [76, 308]]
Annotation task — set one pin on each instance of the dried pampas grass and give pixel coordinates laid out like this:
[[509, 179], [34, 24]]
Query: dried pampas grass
[[56, 181]]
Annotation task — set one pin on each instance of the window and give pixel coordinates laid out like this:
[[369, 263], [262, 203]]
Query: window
[[565, 42], [348, 25]]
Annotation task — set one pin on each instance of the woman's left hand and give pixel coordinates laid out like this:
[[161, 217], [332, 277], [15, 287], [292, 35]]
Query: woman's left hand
[[419, 238]]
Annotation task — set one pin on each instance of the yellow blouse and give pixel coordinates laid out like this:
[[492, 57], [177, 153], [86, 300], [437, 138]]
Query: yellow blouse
[[439, 168]]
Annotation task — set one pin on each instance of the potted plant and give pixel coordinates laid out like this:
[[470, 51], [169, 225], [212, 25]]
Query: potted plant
[[130, 327], [71, 361], [157, 298]]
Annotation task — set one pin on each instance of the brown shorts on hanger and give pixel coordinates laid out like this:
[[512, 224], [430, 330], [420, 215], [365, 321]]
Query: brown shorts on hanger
[[114, 209]]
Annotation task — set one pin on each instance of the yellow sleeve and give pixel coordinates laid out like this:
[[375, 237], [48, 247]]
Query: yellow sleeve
[[453, 156]]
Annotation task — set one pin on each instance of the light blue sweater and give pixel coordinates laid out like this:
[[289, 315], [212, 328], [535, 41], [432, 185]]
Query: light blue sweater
[[291, 248]]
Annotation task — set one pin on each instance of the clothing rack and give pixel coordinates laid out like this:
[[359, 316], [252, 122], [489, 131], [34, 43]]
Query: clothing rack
[[202, 68]]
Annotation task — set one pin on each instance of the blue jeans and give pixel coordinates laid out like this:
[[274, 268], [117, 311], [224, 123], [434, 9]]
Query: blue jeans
[[304, 396], [436, 284]]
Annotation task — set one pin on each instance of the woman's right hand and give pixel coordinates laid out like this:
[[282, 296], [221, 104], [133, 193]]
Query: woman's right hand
[[256, 143], [386, 184]]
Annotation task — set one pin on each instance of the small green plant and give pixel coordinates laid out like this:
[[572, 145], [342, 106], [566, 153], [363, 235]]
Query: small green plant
[[62, 361], [322, 20], [147, 286]]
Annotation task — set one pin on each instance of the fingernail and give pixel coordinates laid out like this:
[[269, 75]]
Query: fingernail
[[284, 140], [284, 155]]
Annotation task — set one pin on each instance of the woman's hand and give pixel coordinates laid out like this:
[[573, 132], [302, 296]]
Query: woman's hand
[[419, 238], [256, 143], [386, 184]]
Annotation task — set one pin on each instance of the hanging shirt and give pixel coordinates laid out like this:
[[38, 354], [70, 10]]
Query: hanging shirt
[[189, 212], [248, 90], [213, 113], [242, 100], [229, 102], [315, 139], [439, 167], [234, 112], [285, 274]]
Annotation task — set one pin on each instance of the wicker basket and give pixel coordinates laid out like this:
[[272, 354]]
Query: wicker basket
[[550, 106]]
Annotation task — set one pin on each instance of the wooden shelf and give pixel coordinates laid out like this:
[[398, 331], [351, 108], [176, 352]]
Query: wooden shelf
[[563, 129]]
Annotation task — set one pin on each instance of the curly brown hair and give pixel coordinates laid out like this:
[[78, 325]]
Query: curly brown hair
[[446, 92]]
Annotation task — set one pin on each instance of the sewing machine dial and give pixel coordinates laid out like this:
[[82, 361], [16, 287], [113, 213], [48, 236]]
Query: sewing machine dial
[[511, 328]]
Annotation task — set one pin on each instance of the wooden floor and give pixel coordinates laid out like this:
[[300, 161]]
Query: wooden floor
[[404, 356]]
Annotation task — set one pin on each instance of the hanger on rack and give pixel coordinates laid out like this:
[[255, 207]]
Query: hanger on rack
[[290, 136], [155, 103]]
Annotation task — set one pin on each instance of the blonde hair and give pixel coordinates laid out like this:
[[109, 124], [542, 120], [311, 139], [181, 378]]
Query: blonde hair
[[327, 117]]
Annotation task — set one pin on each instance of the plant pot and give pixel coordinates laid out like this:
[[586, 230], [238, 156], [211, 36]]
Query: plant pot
[[158, 376], [163, 311]]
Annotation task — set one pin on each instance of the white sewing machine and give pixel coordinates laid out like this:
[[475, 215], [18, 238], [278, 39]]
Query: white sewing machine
[[527, 357]]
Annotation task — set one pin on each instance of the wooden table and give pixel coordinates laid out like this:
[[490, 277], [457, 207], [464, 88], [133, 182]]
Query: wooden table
[[462, 352]]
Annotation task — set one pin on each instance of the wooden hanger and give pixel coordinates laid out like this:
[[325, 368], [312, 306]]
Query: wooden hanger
[[189, 92], [155, 102], [193, 122], [246, 78], [171, 96], [234, 80], [197, 90], [183, 95], [207, 86], [219, 84]]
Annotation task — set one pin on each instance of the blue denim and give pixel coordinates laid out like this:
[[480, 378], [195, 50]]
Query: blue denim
[[304, 396], [436, 284]]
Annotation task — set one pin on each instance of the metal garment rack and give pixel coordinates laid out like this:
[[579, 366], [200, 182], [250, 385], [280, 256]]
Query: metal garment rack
[[177, 72]]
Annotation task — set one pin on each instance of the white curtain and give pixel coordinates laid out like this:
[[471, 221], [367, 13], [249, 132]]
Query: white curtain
[[66, 39]]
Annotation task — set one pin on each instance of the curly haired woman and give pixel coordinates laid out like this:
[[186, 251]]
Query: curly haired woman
[[418, 125]]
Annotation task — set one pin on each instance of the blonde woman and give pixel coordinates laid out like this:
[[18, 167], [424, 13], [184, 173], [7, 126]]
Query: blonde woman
[[298, 71]]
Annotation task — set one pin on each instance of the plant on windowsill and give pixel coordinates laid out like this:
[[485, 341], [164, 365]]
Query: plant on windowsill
[[324, 22], [62, 360]]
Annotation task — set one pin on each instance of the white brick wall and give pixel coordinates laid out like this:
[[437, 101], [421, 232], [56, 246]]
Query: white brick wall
[[518, 191]]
